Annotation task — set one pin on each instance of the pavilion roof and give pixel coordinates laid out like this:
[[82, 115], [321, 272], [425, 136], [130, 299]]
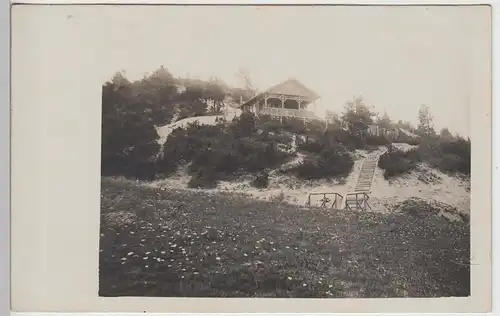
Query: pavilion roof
[[288, 87]]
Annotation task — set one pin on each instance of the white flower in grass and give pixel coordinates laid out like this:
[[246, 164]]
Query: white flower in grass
[[245, 255], [130, 253], [163, 252], [330, 286], [146, 266], [305, 284], [182, 277], [145, 258], [287, 247], [123, 259], [289, 278], [217, 258], [196, 273]]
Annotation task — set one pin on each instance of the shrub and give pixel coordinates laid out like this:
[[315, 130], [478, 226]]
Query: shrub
[[397, 162], [331, 162], [311, 147], [261, 181], [129, 139], [226, 149], [374, 140], [203, 179], [345, 138], [452, 155]]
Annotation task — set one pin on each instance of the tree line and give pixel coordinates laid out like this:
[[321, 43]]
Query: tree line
[[131, 111]]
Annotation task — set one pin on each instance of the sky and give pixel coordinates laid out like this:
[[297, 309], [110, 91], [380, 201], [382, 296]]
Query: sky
[[396, 58]]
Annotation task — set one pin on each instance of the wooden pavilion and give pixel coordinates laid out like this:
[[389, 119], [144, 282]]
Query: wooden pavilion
[[287, 99]]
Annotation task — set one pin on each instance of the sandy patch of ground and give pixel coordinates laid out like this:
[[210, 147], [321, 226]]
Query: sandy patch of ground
[[424, 183]]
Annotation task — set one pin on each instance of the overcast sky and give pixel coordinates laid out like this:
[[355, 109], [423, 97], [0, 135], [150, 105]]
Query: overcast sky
[[397, 58]]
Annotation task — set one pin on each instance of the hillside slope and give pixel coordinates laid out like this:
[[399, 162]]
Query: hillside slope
[[424, 183], [175, 242]]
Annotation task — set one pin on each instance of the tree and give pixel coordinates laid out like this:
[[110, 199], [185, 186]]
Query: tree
[[425, 126], [214, 96], [385, 121], [405, 125], [157, 95], [357, 116], [129, 139], [248, 89], [445, 133]]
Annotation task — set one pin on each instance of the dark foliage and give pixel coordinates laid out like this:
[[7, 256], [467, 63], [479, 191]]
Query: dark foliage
[[225, 149], [132, 110], [332, 162], [129, 139], [203, 179], [261, 180], [373, 140], [451, 155], [398, 162], [311, 147]]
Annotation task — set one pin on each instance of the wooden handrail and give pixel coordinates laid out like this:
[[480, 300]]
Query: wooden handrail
[[300, 113], [359, 205], [325, 200]]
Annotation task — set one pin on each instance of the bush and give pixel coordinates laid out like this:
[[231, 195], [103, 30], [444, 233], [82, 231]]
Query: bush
[[397, 162], [331, 163], [226, 149], [374, 140], [129, 139], [261, 181], [448, 155], [311, 147], [203, 179], [345, 138]]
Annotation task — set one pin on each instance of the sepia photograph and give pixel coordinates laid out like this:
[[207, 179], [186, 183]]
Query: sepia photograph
[[289, 152]]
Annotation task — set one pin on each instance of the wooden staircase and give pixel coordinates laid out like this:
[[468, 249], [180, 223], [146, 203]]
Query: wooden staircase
[[365, 177], [358, 200]]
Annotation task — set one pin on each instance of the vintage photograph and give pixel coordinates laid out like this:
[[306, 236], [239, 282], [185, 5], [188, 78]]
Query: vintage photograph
[[288, 152]]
